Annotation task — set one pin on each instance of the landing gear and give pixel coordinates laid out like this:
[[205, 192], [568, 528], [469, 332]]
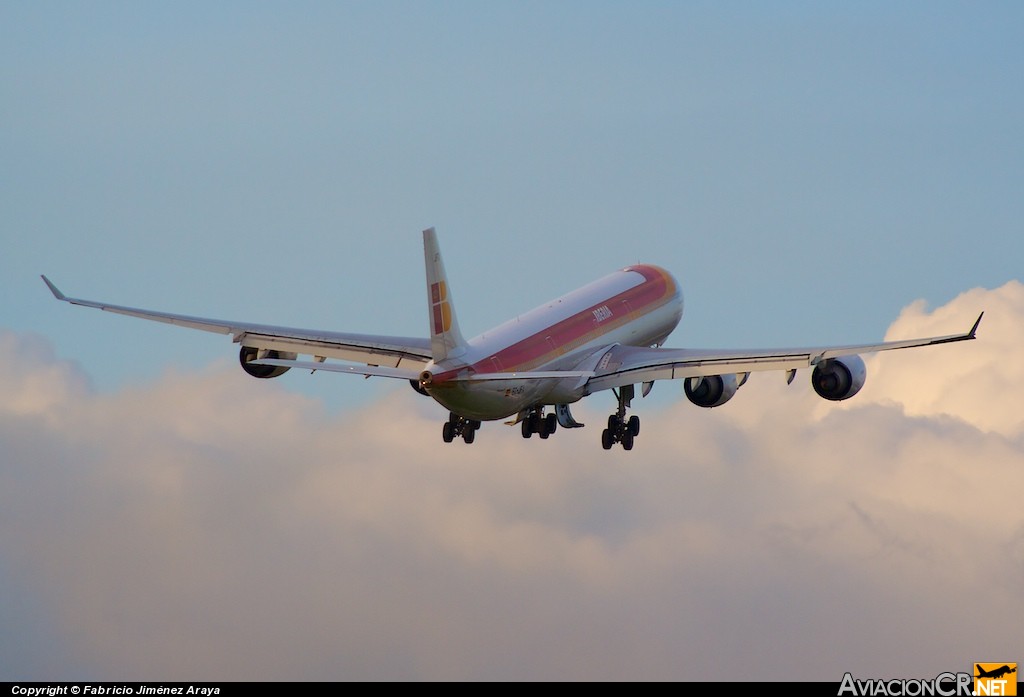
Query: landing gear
[[537, 422], [620, 429], [457, 426]]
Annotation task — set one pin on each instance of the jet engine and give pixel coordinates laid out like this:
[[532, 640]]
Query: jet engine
[[710, 390], [251, 353], [419, 388], [839, 378]]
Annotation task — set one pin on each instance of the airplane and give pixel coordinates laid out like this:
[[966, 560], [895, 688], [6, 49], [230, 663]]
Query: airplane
[[996, 673], [607, 335]]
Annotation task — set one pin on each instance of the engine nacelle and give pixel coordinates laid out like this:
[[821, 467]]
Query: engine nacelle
[[839, 378], [251, 353], [710, 390], [419, 388]]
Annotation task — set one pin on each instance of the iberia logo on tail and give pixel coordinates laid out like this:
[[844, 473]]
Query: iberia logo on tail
[[441, 310]]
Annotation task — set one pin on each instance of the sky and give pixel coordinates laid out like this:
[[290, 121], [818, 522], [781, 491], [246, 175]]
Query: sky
[[810, 173]]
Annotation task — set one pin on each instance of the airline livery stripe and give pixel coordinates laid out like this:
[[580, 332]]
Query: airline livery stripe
[[656, 289]]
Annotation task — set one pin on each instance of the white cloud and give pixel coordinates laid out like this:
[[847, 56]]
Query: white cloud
[[211, 526], [971, 381]]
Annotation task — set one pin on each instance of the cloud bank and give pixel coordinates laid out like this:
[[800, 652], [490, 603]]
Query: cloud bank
[[210, 526]]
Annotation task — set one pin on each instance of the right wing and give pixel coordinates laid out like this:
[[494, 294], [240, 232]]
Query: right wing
[[407, 355], [628, 365]]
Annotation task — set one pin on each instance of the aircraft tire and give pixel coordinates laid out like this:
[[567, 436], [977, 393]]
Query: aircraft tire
[[606, 439], [448, 432], [634, 425]]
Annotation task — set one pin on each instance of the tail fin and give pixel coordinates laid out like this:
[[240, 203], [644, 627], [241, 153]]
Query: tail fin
[[445, 338]]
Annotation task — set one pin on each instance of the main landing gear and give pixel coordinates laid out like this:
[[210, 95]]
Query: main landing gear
[[540, 424], [459, 427], [620, 429]]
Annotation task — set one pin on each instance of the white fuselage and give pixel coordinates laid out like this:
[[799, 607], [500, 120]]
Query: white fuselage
[[636, 306]]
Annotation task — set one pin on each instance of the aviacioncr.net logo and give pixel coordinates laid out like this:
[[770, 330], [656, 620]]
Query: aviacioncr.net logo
[[942, 685]]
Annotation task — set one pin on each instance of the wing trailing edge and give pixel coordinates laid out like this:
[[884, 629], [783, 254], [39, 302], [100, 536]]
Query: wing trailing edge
[[631, 365], [369, 348]]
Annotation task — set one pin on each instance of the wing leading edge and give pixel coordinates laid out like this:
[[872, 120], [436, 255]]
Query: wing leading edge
[[391, 351], [629, 365]]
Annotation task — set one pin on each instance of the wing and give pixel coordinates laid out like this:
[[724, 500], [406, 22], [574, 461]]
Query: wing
[[405, 354], [629, 365]]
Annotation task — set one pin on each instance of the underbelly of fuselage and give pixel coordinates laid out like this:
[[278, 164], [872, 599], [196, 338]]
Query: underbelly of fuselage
[[487, 400]]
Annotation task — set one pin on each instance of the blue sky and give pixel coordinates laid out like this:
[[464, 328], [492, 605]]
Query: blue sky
[[806, 170]]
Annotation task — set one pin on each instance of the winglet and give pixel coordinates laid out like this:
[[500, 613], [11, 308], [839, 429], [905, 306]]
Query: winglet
[[53, 289], [970, 334]]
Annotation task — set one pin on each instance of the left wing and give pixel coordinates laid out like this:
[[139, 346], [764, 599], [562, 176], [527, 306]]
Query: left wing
[[629, 365], [407, 355]]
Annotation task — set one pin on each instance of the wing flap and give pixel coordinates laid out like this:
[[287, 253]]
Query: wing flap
[[367, 349], [367, 371], [410, 374]]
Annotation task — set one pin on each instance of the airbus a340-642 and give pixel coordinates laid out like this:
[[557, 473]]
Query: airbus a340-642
[[607, 335]]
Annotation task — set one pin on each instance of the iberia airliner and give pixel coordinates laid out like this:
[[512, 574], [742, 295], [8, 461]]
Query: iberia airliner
[[607, 335]]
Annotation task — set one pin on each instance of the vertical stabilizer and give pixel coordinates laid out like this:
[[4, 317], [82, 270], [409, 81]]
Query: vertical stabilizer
[[445, 338]]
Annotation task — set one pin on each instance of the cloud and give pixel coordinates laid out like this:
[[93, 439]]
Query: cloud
[[974, 386], [211, 526]]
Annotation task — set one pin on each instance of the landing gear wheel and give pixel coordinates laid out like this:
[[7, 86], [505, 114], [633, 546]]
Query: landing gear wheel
[[551, 420], [527, 431], [459, 427], [621, 429], [543, 424]]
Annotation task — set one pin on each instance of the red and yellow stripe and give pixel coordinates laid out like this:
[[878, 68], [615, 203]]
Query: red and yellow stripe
[[657, 288]]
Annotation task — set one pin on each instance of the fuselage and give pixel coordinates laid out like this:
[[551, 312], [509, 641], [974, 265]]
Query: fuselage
[[636, 306]]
